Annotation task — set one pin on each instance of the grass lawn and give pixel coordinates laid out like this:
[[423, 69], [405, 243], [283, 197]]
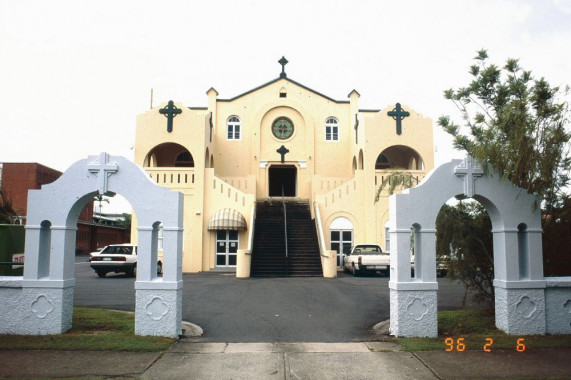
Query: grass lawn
[[93, 329], [474, 329]]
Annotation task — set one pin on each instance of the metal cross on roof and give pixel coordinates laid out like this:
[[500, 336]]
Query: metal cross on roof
[[398, 114], [470, 169], [283, 150], [170, 111], [283, 61], [103, 168]]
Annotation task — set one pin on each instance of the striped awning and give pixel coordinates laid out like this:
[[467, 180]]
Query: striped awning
[[227, 219]]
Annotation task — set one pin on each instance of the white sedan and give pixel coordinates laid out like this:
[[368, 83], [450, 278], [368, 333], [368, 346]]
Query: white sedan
[[118, 258]]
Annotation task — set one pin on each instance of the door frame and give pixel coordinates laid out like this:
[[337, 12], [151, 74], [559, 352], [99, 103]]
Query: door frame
[[279, 166]]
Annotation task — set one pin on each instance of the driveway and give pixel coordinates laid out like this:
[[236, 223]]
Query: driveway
[[266, 309]]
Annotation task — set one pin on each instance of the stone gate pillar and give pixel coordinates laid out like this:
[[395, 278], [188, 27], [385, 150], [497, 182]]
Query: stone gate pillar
[[46, 305], [518, 266], [413, 299]]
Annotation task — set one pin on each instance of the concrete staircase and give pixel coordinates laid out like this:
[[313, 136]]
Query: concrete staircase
[[268, 253]]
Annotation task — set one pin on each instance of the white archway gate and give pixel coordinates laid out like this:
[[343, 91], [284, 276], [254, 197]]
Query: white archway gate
[[46, 301], [518, 263]]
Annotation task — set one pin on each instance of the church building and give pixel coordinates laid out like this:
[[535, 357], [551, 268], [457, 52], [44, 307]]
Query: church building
[[240, 159]]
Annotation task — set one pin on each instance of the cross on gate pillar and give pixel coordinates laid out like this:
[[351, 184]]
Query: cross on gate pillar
[[103, 168], [470, 169]]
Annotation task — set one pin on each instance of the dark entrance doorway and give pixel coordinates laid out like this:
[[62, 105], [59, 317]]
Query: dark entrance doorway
[[282, 176]]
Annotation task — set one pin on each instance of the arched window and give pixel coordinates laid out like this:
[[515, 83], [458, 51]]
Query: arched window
[[184, 159], [233, 128], [382, 162], [331, 129]]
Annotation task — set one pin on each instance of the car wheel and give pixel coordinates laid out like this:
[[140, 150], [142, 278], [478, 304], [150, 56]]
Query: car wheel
[[354, 271], [133, 272], [159, 268], [101, 273]]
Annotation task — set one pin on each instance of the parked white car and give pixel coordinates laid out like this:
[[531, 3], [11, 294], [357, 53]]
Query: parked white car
[[366, 258], [118, 258]]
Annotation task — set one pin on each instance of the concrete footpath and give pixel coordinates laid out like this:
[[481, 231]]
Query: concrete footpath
[[252, 361]]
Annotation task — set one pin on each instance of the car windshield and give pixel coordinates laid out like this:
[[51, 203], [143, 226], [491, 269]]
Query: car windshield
[[118, 249], [367, 249]]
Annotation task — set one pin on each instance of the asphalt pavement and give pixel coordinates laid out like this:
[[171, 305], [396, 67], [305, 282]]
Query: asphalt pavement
[[278, 329], [269, 310]]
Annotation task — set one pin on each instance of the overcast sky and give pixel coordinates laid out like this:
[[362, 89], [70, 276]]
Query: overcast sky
[[75, 74]]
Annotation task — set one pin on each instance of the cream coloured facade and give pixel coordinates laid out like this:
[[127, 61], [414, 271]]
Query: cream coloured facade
[[236, 151]]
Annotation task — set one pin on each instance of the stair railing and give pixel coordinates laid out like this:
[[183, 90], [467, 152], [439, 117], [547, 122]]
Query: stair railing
[[285, 227], [319, 227], [285, 221], [252, 225]]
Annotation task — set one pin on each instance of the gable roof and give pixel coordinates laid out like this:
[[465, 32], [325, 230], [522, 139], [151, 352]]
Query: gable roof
[[276, 80]]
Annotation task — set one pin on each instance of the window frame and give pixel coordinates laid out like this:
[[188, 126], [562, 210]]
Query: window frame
[[231, 133], [340, 242], [333, 129]]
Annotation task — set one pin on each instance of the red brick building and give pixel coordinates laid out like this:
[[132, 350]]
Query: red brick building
[[17, 178]]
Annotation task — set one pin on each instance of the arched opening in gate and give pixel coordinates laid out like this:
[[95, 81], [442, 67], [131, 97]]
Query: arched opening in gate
[[116, 255], [465, 249]]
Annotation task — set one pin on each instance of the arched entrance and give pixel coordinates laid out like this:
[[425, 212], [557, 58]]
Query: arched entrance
[[399, 157], [170, 155], [53, 211], [518, 267], [282, 178]]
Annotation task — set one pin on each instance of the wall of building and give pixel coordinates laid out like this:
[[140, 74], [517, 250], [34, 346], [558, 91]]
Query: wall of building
[[191, 130], [340, 175]]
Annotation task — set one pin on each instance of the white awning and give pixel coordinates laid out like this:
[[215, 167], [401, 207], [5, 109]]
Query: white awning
[[227, 219]]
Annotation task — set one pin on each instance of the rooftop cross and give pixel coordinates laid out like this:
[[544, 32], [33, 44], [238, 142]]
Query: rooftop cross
[[103, 168], [283, 150], [398, 114], [470, 169], [170, 111], [283, 61]]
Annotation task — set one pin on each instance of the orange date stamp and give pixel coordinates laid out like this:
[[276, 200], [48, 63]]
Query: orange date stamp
[[459, 345]]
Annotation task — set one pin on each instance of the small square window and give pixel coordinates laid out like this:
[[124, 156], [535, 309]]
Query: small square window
[[283, 95]]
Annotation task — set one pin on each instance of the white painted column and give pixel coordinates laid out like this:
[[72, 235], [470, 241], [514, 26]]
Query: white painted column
[[413, 304], [159, 300]]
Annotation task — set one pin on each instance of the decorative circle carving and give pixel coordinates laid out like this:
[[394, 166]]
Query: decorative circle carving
[[42, 306], [157, 308], [526, 307], [417, 309]]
